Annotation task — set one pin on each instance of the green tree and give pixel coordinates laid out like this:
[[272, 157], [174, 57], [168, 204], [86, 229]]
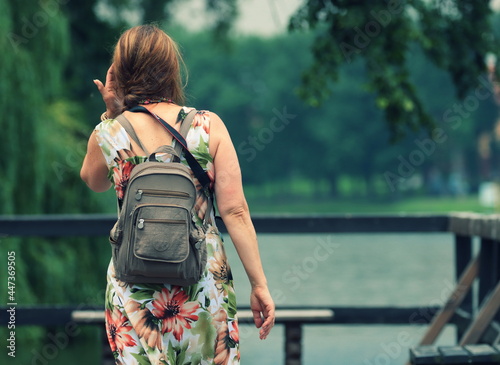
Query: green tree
[[454, 35]]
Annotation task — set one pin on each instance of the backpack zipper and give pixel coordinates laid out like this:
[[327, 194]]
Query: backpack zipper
[[161, 193], [141, 221]]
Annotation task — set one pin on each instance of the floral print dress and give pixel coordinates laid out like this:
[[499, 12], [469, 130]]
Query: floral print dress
[[162, 323]]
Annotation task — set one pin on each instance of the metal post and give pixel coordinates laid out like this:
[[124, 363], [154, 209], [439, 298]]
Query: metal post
[[293, 343]]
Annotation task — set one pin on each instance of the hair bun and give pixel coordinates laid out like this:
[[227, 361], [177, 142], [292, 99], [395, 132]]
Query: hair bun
[[130, 100]]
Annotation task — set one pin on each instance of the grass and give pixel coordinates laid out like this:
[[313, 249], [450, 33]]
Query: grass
[[301, 195], [270, 199], [422, 204]]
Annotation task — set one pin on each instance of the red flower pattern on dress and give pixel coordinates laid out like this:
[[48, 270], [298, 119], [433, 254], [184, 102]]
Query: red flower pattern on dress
[[117, 326], [144, 324], [173, 308], [219, 268], [234, 333], [202, 119], [121, 176], [227, 338]]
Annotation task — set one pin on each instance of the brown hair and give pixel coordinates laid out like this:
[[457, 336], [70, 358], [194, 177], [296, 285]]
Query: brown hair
[[147, 64]]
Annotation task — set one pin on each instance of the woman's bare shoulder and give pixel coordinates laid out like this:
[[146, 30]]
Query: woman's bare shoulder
[[219, 134]]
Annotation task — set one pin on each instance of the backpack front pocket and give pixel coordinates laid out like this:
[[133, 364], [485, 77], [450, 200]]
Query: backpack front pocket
[[161, 233]]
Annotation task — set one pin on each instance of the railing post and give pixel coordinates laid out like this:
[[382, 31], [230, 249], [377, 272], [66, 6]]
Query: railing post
[[293, 343], [107, 355], [488, 268], [463, 255]]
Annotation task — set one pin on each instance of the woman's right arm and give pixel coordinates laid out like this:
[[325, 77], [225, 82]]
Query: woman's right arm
[[234, 211], [94, 170]]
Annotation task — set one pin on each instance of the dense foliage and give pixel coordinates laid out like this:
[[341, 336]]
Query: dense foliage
[[455, 35]]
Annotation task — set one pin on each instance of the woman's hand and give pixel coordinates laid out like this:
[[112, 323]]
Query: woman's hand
[[114, 103], [262, 306]]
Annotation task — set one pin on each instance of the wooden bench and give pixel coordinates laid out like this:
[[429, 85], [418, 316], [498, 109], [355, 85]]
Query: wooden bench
[[459, 355], [467, 351]]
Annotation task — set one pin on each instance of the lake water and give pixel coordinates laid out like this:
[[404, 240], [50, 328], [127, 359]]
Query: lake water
[[356, 270], [332, 270]]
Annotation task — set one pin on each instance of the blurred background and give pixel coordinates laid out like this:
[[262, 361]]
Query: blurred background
[[368, 107]]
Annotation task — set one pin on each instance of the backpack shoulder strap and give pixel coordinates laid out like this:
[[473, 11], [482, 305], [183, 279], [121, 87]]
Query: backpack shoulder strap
[[130, 131], [198, 171], [184, 130], [186, 123]]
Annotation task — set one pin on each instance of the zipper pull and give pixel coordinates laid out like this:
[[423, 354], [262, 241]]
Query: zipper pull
[[140, 225], [138, 195]]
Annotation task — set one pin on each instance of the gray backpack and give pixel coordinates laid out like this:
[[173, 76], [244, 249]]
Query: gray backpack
[[155, 239]]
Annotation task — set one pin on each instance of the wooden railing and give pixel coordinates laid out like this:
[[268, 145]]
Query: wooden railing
[[463, 226]]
